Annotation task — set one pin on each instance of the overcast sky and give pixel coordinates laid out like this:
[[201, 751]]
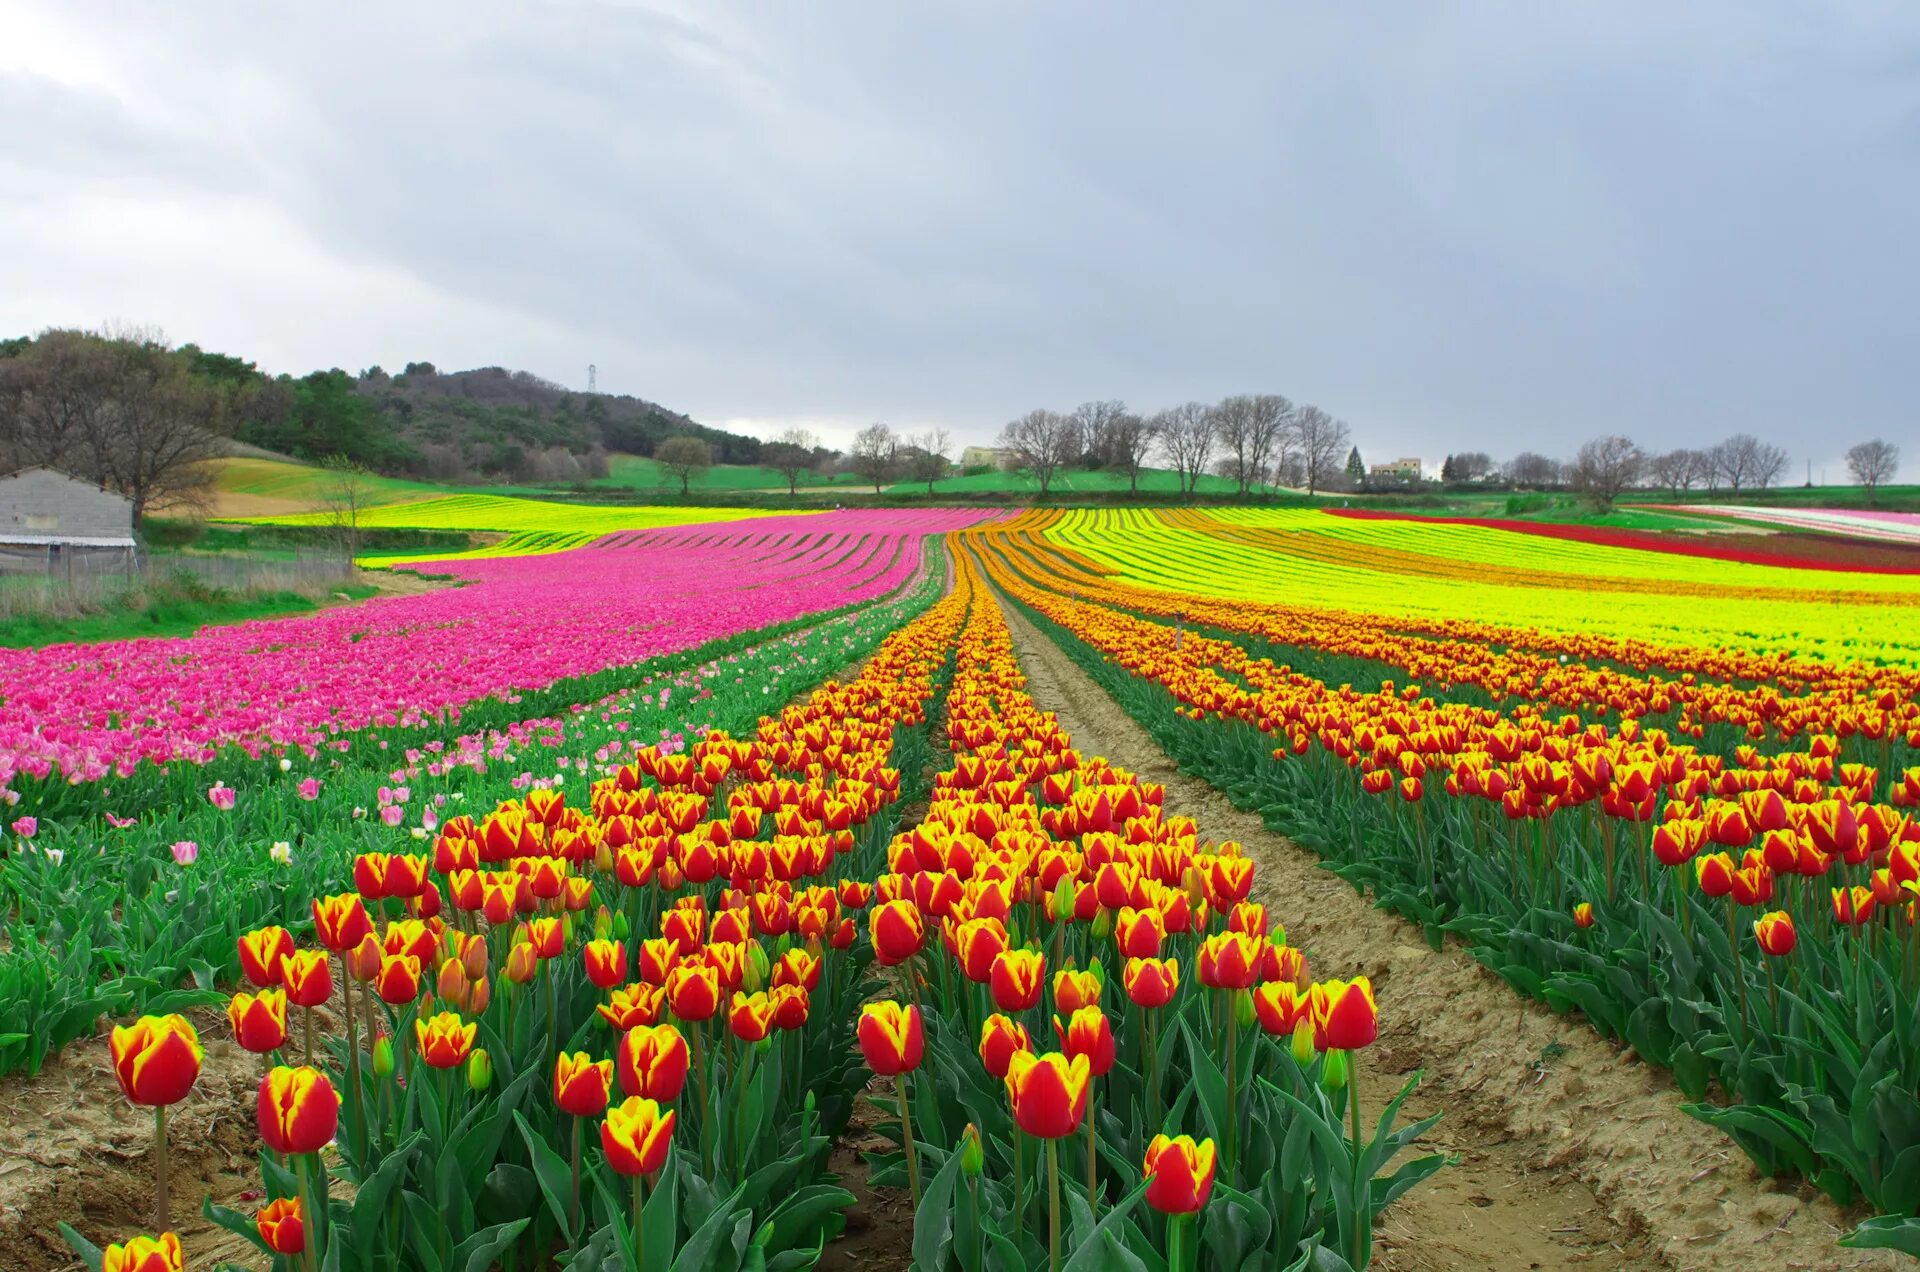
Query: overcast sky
[[1458, 226]]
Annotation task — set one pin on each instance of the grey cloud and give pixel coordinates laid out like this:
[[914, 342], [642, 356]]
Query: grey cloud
[[1486, 225]]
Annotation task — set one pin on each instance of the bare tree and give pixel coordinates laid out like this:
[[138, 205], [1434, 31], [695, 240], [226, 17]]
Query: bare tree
[[1186, 434], [1472, 466], [1249, 427], [1872, 463], [927, 456], [1605, 467], [1095, 422], [1323, 443], [1672, 470], [875, 454], [1267, 434], [345, 494], [1129, 441], [1044, 442], [1744, 460], [1706, 470], [683, 457], [1291, 471], [1531, 469], [1233, 430], [123, 410], [791, 454]]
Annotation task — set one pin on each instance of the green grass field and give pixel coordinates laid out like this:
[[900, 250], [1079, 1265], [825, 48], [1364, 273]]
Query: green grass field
[[1153, 481], [278, 479], [169, 606], [634, 472]]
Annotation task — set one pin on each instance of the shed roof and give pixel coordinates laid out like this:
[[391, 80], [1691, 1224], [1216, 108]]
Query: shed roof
[[65, 541], [42, 468]]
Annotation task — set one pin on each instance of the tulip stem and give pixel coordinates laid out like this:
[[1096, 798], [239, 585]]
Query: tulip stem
[[639, 1223], [906, 1142], [1093, 1203], [699, 1031], [1019, 1179], [160, 1209], [553, 1016], [306, 1015], [1232, 1032], [1739, 973], [353, 1063], [1177, 1242], [1362, 1217], [1153, 1067], [574, 1209], [1053, 1207]]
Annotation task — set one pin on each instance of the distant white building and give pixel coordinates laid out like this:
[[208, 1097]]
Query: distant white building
[[989, 457], [1404, 469], [47, 519]]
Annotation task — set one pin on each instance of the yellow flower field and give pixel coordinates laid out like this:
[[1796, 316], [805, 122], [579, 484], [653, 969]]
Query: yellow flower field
[[1446, 571]]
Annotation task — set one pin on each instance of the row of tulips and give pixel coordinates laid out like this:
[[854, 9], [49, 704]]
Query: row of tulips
[[293, 686], [668, 974], [1777, 695], [1206, 1075], [109, 915], [1749, 923]]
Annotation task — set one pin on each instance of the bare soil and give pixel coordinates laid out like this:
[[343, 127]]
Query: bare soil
[[1572, 1154], [73, 1150]]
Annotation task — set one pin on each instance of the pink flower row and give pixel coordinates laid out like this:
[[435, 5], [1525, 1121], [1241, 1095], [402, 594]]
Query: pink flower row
[[521, 623]]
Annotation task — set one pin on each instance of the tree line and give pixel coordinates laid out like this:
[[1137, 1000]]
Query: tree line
[[1255, 440], [1608, 466], [62, 387]]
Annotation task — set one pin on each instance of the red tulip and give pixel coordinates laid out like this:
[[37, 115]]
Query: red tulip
[[580, 1084], [1087, 1033], [652, 1062], [636, 1136], [1048, 1093], [260, 953], [1345, 1017], [1179, 1174], [298, 1110], [156, 1059], [282, 1225], [1000, 1037], [891, 1038]]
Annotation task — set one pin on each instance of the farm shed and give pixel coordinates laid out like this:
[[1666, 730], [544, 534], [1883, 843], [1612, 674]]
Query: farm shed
[[61, 525]]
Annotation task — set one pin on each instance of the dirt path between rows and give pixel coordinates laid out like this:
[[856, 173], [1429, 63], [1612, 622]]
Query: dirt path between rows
[[1572, 1156]]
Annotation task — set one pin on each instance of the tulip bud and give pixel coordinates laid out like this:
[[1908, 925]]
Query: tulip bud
[[1243, 1014], [602, 924], [621, 928], [1333, 1076], [1103, 923], [521, 963], [1279, 934], [479, 1069], [1303, 1042], [1060, 901], [758, 968], [973, 1155], [383, 1058]]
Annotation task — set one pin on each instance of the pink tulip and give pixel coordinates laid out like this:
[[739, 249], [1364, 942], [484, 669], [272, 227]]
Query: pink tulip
[[186, 852], [221, 796], [310, 788], [92, 711], [26, 827]]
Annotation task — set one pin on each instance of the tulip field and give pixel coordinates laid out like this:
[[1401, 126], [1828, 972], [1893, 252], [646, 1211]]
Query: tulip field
[[579, 914]]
